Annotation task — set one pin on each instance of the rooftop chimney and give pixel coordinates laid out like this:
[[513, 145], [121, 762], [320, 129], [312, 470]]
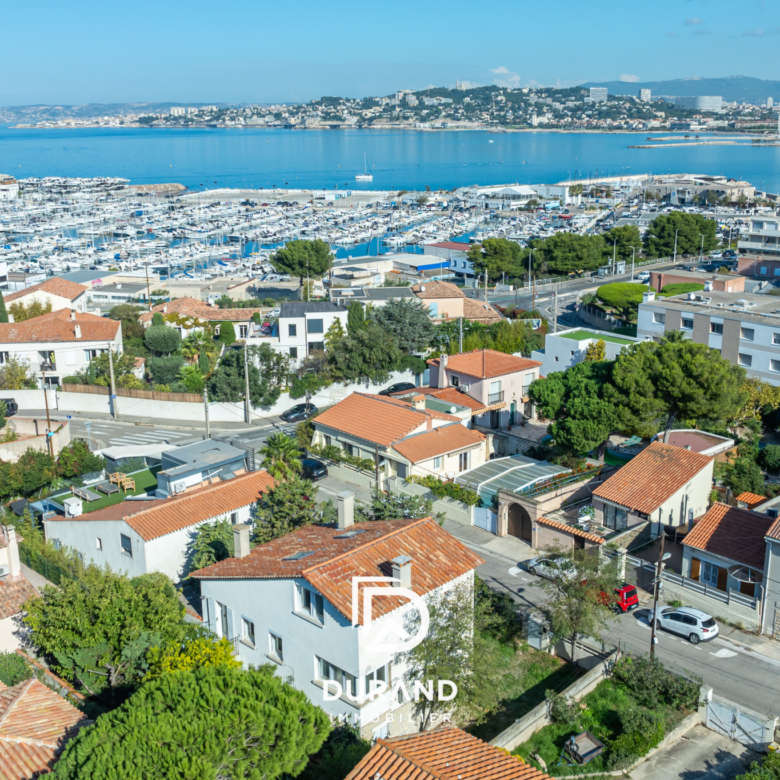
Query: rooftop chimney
[[648, 296], [77, 329], [73, 314], [10, 318], [241, 540], [14, 564], [443, 371], [418, 402], [687, 446], [346, 510], [165, 308], [402, 570]]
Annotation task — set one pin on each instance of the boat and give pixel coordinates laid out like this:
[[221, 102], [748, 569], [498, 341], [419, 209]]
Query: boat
[[365, 176]]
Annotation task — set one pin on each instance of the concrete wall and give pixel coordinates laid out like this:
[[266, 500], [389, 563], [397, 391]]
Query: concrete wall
[[35, 430], [731, 612]]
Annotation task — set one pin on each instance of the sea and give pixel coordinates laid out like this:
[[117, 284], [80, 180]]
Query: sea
[[254, 158]]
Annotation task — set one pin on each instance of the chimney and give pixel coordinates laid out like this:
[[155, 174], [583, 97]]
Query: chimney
[[14, 564], [418, 402], [402, 570], [346, 510], [77, 329], [10, 318], [648, 297], [687, 446], [442, 371], [73, 314], [240, 540], [165, 308]]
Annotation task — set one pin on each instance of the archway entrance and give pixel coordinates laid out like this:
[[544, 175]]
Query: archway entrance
[[519, 523]]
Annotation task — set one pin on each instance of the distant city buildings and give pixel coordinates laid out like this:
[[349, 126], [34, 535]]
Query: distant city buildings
[[178, 111], [700, 102], [599, 94], [645, 95]]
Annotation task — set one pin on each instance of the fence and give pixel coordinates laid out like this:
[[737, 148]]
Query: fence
[[739, 723], [555, 482], [152, 395], [53, 572], [724, 596]]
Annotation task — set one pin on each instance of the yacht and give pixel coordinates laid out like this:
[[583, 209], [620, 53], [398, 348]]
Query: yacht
[[365, 176]]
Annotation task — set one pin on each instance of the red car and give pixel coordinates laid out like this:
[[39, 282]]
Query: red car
[[625, 599]]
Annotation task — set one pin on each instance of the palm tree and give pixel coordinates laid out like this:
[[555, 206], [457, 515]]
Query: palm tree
[[190, 348], [281, 457]]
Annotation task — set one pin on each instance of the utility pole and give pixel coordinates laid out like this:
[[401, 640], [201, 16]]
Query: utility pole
[[555, 312], [658, 569], [114, 409], [206, 409], [148, 291], [701, 250], [247, 415], [633, 258], [460, 335], [614, 255], [48, 419], [486, 285], [675, 246]]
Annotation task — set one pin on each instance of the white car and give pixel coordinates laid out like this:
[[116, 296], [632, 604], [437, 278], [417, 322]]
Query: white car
[[695, 625], [552, 567], [643, 277], [275, 313]]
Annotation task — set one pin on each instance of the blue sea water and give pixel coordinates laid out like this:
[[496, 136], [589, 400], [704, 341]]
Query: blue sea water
[[398, 159]]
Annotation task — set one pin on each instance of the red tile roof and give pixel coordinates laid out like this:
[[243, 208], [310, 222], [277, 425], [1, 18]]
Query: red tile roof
[[447, 438], [486, 363], [59, 326], [190, 307], [158, 517], [377, 418], [54, 286], [449, 394], [751, 499], [480, 311], [652, 477], [35, 724], [13, 594], [435, 290], [571, 530], [437, 558], [442, 754], [736, 534]]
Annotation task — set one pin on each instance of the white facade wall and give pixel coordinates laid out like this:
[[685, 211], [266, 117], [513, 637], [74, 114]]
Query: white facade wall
[[57, 301], [695, 495], [560, 353]]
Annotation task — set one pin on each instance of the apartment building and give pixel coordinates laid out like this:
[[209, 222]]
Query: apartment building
[[759, 250]]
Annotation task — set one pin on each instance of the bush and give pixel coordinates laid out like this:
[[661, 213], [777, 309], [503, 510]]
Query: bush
[[14, 669], [332, 452], [562, 709], [770, 458], [162, 340], [165, 370], [652, 684], [440, 489], [227, 333], [680, 288]]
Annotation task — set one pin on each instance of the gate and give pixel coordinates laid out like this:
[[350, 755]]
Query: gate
[[739, 723], [486, 518]]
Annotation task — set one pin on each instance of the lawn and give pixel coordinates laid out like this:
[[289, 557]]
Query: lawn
[[529, 673], [144, 481], [581, 335]]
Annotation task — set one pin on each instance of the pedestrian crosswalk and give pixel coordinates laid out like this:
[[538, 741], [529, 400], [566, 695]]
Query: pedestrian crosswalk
[[114, 438]]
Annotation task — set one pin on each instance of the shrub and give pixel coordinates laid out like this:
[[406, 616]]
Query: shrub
[[14, 669], [440, 489], [562, 709], [770, 458], [162, 340], [652, 684], [165, 370], [227, 333], [157, 320]]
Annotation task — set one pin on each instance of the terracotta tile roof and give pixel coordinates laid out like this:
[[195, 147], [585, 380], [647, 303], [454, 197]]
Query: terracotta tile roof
[[54, 286], [571, 530], [35, 724], [733, 533], [480, 311], [751, 499], [437, 558], [59, 326], [377, 418], [449, 394], [13, 595], [447, 438], [652, 477], [159, 517], [442, 754], [190, 307], [486, 363], [435, 290]]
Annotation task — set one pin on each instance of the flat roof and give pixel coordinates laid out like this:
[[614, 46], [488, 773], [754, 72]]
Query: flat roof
[[514, 473], [201, 454], [584, 335], [764, 309], [698, 276]]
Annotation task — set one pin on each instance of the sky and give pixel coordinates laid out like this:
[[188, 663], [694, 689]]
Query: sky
[[255, 51]]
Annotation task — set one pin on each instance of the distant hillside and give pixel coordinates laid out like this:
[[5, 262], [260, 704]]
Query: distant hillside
[[86, 111], [743, 89]]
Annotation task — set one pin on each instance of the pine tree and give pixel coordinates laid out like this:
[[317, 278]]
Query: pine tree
[[203, 362], [335, 334], [356, 318]]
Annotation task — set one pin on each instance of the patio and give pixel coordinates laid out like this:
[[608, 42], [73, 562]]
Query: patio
[[573, 515]]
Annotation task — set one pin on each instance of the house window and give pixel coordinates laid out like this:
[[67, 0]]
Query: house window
[[316, 346], [310, 604], [774, 365], [91, 354], [709, 573], [776, 338], [328, 440], [126, 544], [686, 324], [437, 462], [243, 330], [747, 334], [292, 330], [327, 671], [248, 632], [56, 544], [716, 327], [4, 356], [463, 461], [98, 543], [378, 675], [293, 352], [454, 381], [763, 270], [745, 360], [659, 317], [615, 517], [556, 359], [276, 647], [234, 518], [315, 326]]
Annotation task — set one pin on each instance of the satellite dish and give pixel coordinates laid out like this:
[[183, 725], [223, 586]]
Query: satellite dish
[[453, 410]]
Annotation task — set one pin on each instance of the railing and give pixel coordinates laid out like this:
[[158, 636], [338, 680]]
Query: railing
[[725, 597], [234, 642], [495, 398], [554, 483]]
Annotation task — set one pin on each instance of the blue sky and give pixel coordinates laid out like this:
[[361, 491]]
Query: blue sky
[[292, 50]]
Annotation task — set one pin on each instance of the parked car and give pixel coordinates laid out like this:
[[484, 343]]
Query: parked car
[[397, 388], [553, 566], [275, 313], [299, 412], [689, 622], [11, 407], [625, 598], [644, 276], [313, 469]]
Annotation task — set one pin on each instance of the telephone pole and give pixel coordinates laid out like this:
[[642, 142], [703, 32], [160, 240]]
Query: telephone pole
[[148, 290], [658, 569], [247, 414], [48, 419], [460, 335], [555, 312], [206, 409], [114, 409]]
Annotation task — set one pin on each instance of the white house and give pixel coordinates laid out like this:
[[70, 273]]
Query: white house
[[188, 315], [59, 344], [141, 536], [9, 187], [290, 602], [61, 293], [302, 326]]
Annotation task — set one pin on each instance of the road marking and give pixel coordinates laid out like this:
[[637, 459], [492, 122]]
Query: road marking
[[723, 653], [514, 571]]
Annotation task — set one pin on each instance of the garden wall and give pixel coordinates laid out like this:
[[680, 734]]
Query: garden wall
[[35, 431]]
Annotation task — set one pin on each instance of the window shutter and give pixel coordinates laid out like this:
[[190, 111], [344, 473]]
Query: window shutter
[[695, 568], [210, 615], [723, 576], [230, 632]]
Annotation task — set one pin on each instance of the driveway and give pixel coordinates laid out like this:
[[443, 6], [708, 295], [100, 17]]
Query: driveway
[[700, 754]]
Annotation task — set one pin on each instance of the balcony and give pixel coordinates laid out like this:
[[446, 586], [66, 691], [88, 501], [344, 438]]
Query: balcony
[[47, 365], [496, 398]]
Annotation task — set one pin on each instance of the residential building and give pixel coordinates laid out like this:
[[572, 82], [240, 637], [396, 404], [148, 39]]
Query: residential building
[[9, 187], [447, 301], [374, 296], [688, 188], [441, 754], [408, 438], [599, 94], [454, 251], [155, 535], [663, 485], [290, 602], [720, 282], [645, 95], [760, 247], [743, 327], [15, 590], [302, 327], [770, 597], [60, 293], [106, 296], [188, 315], [566, 348], [59, 344], [700, 102], [498, 381]]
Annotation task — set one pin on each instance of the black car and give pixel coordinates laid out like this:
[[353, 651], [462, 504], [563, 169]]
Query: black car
[[397, 388], [11, 407], [313, 469], [299, 412]]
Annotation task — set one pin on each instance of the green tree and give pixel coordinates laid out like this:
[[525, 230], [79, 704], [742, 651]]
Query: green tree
[[268, 372], [3, 312], [334, 334], [281, 457], [767, 769], [303, 258], [393, 506], [17, 374], [165, 370], [213, 542], [342, 752], [285, 507], [76, 459], [211, 723], [566, 253], [203, 362], [625, 240], [14, 669], [499, 256], [367, 355], [623, 296], [227, 333], [195, 652], [34, 309], [575, 606], [158, 321], [597, 350], [96, 630], [162, 340], [745, 476], [659, 238], [356, 318], [408, 320]]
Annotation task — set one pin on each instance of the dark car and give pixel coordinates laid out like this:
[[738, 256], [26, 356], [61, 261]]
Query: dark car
[[397, 388], [313, 469], [299, 412], [11, 407]]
